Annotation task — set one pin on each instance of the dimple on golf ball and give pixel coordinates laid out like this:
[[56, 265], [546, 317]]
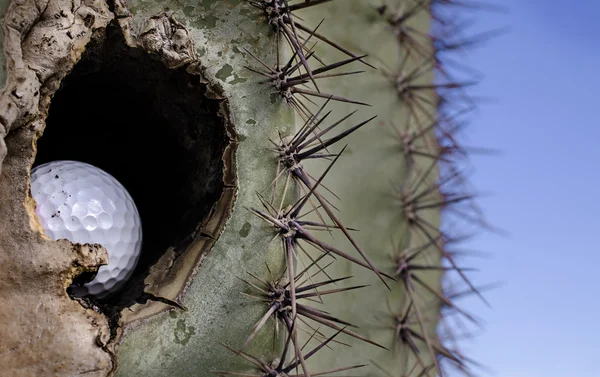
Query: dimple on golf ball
[[84, 204]]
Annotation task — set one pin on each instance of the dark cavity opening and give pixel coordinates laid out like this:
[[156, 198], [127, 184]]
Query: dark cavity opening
[[154, 130]]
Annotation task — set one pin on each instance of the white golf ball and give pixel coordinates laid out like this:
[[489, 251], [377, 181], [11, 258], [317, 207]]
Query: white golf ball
[[84, 204]]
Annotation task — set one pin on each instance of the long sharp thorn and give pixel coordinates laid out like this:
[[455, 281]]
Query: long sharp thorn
[[332, 44], [306, 4], [322, 95], [295, 211], [334, 139]]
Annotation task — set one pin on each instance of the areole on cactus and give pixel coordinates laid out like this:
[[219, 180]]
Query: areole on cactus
[[297, 168]]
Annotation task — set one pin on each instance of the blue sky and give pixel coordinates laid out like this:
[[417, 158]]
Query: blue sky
[[544, 78]]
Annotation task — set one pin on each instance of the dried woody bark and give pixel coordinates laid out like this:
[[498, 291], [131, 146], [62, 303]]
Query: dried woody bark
[[42, 331]]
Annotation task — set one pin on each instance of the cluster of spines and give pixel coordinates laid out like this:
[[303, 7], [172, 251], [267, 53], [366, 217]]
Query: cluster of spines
[[432, 139]]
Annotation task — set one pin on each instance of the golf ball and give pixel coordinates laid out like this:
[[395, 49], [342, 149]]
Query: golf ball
[[84, 204]]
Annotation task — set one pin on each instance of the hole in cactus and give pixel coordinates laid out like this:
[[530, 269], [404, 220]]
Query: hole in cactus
[[155, 131]]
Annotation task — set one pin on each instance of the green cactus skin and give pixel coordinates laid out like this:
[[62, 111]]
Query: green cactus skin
[[384, 317], [369, 179], [366, 179]]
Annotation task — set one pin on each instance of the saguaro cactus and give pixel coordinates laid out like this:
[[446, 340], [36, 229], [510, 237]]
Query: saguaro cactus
[[297, 167]]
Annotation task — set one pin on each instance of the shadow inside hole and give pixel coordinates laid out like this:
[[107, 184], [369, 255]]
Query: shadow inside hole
[[151, 128]]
